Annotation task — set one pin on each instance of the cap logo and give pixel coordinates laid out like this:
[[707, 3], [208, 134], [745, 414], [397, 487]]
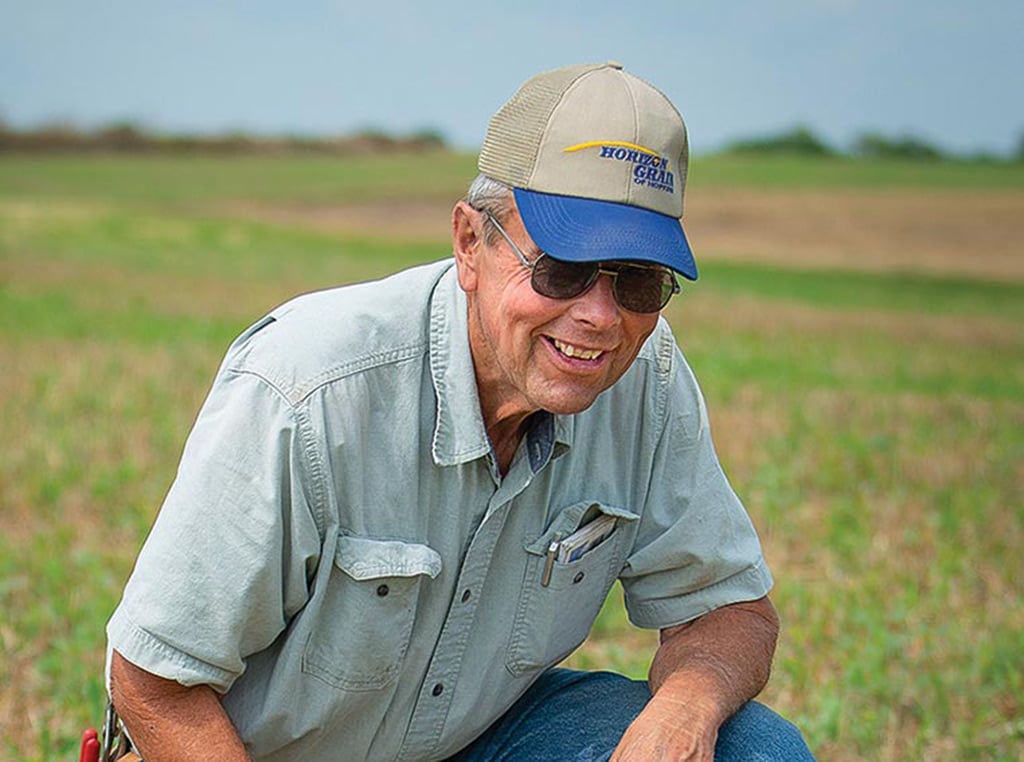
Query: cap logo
[[649, 167]]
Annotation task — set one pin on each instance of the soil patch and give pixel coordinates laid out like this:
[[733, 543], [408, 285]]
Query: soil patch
[[974, 234]]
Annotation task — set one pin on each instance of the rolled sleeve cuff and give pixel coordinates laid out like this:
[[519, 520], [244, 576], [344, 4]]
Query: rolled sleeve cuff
[[148, 652], [748, 585]]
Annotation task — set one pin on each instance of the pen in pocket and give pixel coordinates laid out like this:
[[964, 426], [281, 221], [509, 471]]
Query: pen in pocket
[[549, 560]]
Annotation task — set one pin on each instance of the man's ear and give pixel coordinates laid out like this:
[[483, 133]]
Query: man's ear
[[467, 238]]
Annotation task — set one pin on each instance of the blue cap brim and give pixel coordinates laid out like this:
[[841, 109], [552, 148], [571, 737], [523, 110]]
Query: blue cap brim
[[587, 230]]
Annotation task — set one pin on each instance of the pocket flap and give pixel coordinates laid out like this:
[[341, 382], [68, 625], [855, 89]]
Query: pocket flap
[[572, 518], [362, 558]]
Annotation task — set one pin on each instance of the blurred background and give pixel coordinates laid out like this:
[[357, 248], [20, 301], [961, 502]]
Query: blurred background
[[170, 172], [942, 73]]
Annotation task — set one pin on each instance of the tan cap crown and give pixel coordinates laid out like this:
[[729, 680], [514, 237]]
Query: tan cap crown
[[591, 131]]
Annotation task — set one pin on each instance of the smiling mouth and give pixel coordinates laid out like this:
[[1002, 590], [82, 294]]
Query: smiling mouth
[[577, 353]]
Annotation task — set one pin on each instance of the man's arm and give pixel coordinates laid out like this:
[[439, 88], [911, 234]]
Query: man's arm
[[168, 721], [702, 673]]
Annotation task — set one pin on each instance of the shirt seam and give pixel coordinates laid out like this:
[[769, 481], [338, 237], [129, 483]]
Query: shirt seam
[[316, 472], [301, 391]]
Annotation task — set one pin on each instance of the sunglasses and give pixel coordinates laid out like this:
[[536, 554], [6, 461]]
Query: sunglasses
[[637, 288]]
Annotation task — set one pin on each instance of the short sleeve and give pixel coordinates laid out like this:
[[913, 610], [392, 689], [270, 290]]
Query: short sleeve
[[696, 548], [229, 557]]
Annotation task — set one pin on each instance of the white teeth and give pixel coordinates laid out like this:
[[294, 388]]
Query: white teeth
[[578, 352]]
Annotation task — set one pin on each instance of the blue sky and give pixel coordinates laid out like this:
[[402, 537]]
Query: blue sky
[[951, 72]]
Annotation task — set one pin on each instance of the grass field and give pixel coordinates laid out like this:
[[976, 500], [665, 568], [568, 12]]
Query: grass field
[[857, 330]]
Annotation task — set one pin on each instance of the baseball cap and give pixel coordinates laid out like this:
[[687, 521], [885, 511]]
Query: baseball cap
[[597, 160]]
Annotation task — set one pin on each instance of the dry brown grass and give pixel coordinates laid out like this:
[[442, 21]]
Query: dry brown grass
[[975, 234]]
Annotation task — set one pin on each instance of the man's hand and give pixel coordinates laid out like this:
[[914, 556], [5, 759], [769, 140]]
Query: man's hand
[[702, 673], [669, 729]]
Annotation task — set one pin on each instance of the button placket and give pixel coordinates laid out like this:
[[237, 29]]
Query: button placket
[[435, 698], [429, 716]]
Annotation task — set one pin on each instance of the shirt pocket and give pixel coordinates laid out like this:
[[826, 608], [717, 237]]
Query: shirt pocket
[[552, 620], [363, 628]]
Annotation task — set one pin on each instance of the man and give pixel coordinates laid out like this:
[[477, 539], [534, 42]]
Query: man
[[404, 502]]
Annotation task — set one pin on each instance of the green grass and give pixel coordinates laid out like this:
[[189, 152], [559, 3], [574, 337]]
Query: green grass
[[873, 423], [176, 181], [190, 180]]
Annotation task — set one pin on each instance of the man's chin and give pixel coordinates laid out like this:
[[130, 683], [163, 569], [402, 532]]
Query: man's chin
[[570, 406]]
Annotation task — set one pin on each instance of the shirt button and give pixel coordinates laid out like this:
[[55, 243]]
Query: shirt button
[[578, 578], [438, 689], [465, 596], [383, 590]]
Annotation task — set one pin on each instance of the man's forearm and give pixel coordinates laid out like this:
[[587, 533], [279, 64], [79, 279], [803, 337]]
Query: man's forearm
[[169, 722], [721, 660]]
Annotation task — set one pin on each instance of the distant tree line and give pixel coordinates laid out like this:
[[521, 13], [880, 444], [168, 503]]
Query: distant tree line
[[126, 137], [802, 141]]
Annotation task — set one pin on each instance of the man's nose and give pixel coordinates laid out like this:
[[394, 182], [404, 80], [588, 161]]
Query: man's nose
[[597, 306]]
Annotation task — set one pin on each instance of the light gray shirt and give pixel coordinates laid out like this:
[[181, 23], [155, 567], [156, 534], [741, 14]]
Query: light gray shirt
[[341, 558]]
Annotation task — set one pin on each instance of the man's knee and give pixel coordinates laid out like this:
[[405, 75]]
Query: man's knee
[[605, 703], [758, 734], [569, 714]]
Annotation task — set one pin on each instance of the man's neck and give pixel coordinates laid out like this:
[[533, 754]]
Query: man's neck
[[505, 436]]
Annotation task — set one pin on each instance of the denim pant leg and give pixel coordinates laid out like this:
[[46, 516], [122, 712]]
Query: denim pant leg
[[573, 716]]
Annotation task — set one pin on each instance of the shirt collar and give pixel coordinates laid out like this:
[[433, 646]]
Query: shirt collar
[[550, 436], [459, 432]]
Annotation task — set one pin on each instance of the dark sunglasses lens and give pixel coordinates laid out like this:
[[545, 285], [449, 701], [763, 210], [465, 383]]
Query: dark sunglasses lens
[[643, 289], [558, 279], [637, 289]]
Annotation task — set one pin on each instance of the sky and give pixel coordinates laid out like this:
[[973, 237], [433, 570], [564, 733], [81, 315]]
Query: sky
[[950, 72]]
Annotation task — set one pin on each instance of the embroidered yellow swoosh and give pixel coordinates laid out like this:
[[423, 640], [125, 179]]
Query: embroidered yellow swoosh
[[617, 143]]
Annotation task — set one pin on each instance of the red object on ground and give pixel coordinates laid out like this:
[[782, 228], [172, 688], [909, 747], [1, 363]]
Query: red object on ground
[[90, 751]]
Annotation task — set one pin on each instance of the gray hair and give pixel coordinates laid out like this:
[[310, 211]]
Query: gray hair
[[493, 198]]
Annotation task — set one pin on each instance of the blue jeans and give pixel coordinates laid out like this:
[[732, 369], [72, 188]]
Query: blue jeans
[[571, 716]]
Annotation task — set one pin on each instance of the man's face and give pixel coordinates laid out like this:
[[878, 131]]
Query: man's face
[[532, 352]]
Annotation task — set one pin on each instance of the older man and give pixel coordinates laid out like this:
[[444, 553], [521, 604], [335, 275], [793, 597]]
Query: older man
[[404, 502]]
